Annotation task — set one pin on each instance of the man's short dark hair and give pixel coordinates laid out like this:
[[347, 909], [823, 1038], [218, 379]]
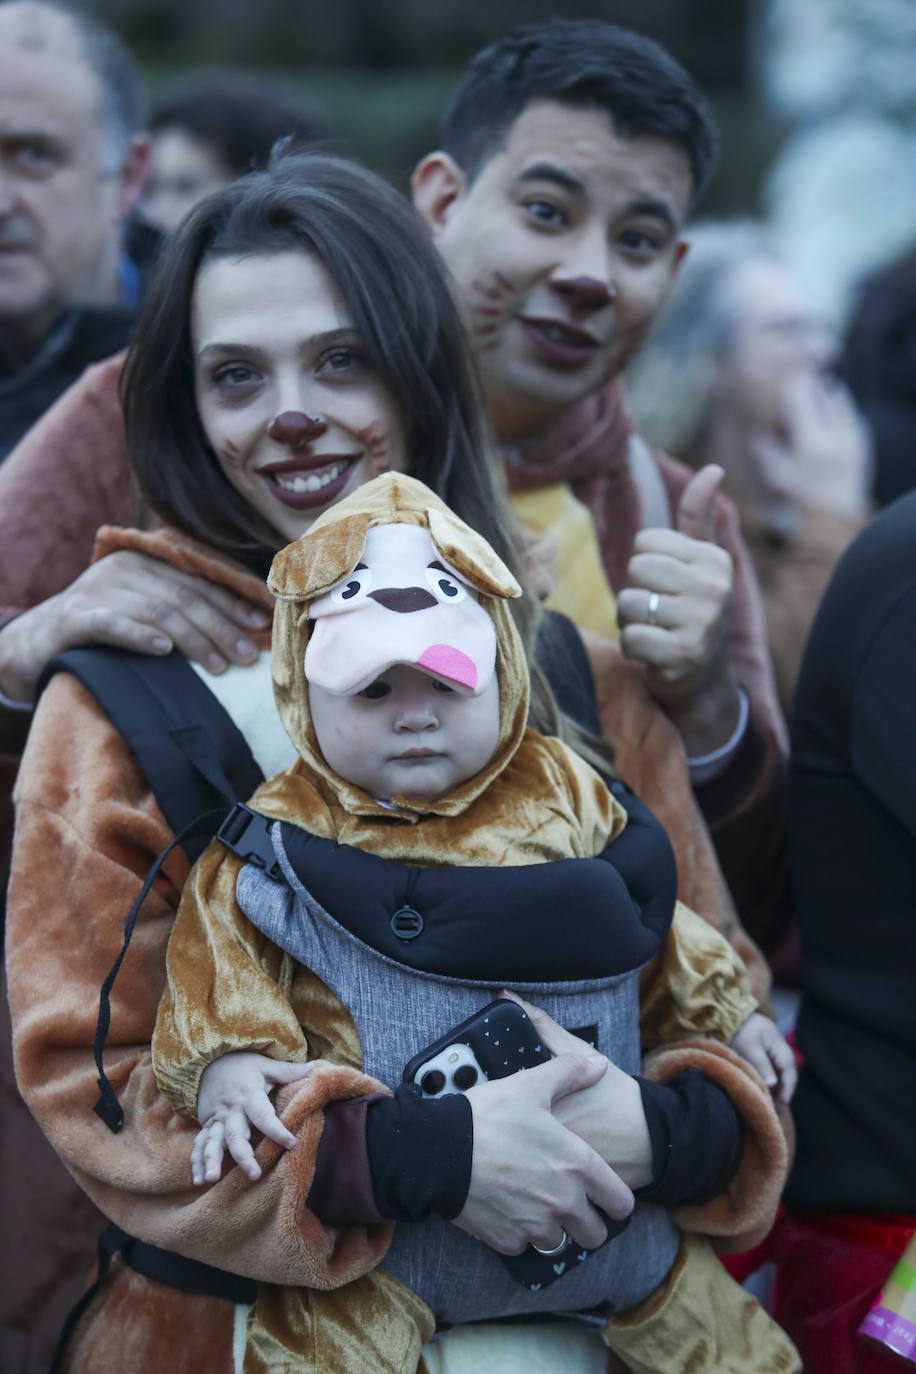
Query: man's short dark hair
[[586, 63]]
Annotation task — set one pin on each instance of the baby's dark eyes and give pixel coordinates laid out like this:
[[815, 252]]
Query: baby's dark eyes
[[376, 690]]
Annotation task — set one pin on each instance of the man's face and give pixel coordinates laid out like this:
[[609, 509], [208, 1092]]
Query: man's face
[[562, 249], [60, 205]]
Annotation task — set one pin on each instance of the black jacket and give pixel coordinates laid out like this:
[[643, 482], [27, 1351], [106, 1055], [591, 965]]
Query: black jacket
[[853, 858], [82, 335]]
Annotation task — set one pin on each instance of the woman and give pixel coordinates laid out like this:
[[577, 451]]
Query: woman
[[736, 372], [233, 356]]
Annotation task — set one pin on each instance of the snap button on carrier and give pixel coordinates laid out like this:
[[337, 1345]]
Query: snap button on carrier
[[406, 923]]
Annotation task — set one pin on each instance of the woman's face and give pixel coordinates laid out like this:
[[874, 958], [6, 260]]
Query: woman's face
[[285, 395], [775, 351], [773, 341]]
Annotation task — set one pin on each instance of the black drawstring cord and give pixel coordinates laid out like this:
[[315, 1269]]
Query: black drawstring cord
[[108, 1107]]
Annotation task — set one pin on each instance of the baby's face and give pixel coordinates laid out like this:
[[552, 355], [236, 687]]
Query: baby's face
[[407, 734]]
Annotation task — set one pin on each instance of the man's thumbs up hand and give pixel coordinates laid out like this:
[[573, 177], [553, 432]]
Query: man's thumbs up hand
[[675, 614]]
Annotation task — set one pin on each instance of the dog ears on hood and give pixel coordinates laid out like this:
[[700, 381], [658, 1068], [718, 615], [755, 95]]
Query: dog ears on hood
[[318, 560], [470, 555], [331, 549]]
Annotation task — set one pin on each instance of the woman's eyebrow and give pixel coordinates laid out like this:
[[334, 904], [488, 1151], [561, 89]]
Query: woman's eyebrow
[[327, 336], [216, 349]]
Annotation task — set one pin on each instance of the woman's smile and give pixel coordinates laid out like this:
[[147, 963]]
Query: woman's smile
[[307, 484]]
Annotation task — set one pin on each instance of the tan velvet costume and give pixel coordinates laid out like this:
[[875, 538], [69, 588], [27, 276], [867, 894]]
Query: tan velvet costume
[[230, 988]]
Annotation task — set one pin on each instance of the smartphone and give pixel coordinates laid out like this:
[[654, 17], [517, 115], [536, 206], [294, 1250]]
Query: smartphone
[[497, 1041]]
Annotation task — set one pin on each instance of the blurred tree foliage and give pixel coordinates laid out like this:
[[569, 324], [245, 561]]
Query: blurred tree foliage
[[381, 70]]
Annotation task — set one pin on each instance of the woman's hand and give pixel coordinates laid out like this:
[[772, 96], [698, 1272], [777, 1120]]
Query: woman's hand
[[609, 1114], [234, 1096], [822, 459], [134, 602], [531, 1178]]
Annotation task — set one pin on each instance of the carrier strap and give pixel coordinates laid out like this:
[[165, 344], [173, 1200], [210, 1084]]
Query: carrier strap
[[189, 749], [164, 1266], [194, 758]]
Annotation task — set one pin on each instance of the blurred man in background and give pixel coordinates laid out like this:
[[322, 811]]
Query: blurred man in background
[[73, 163]]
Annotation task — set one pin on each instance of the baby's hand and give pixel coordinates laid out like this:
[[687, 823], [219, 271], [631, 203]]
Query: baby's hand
[[762, 1044], [232, 1097]]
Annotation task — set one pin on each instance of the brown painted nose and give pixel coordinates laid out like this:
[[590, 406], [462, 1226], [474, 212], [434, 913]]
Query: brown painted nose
[[295, 428], [404, 599], [585, 292]]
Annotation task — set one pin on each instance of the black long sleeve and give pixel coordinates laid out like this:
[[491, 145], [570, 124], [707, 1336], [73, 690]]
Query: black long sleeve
[[696, 1139], [420, 1153]]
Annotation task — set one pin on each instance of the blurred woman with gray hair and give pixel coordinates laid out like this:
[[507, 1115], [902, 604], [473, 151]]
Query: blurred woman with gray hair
[[735, 371]]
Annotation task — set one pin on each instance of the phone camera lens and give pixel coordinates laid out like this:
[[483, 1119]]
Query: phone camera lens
[[433, 1082], [465, 1077]]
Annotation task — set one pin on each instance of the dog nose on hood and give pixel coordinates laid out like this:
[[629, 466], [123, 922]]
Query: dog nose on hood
[[404, 599]]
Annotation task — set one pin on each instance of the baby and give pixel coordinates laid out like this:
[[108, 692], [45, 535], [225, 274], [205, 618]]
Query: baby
[[402, 681]]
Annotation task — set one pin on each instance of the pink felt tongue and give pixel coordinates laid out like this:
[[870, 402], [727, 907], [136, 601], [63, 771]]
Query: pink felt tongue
[[450, 663]]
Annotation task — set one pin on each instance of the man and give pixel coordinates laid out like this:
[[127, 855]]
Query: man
[[73, 162], [572, 153]]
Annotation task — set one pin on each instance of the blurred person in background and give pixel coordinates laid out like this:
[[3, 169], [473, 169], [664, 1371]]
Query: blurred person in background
[[879, 364], [851, 1195], [74, 162], [736, 372], [212, 127]]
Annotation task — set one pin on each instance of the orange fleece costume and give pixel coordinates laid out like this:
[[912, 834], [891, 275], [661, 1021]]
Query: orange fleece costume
[[88, 829]]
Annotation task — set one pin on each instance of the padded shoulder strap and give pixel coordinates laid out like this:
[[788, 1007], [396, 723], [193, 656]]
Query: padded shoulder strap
[[188, 748], [563, 658]]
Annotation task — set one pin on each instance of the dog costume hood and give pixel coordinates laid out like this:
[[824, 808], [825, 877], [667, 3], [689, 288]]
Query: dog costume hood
[[391, 575]]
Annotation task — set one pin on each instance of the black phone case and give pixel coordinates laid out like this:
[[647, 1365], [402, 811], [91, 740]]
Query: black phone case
[[504, 1041], [501, 1036]]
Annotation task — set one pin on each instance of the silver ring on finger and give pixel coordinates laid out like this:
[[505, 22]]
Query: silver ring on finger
[[563, 1242], [652, 608]]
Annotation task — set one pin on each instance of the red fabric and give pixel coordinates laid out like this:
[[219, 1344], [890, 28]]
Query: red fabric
[[829, 1270], [740, 1267]]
